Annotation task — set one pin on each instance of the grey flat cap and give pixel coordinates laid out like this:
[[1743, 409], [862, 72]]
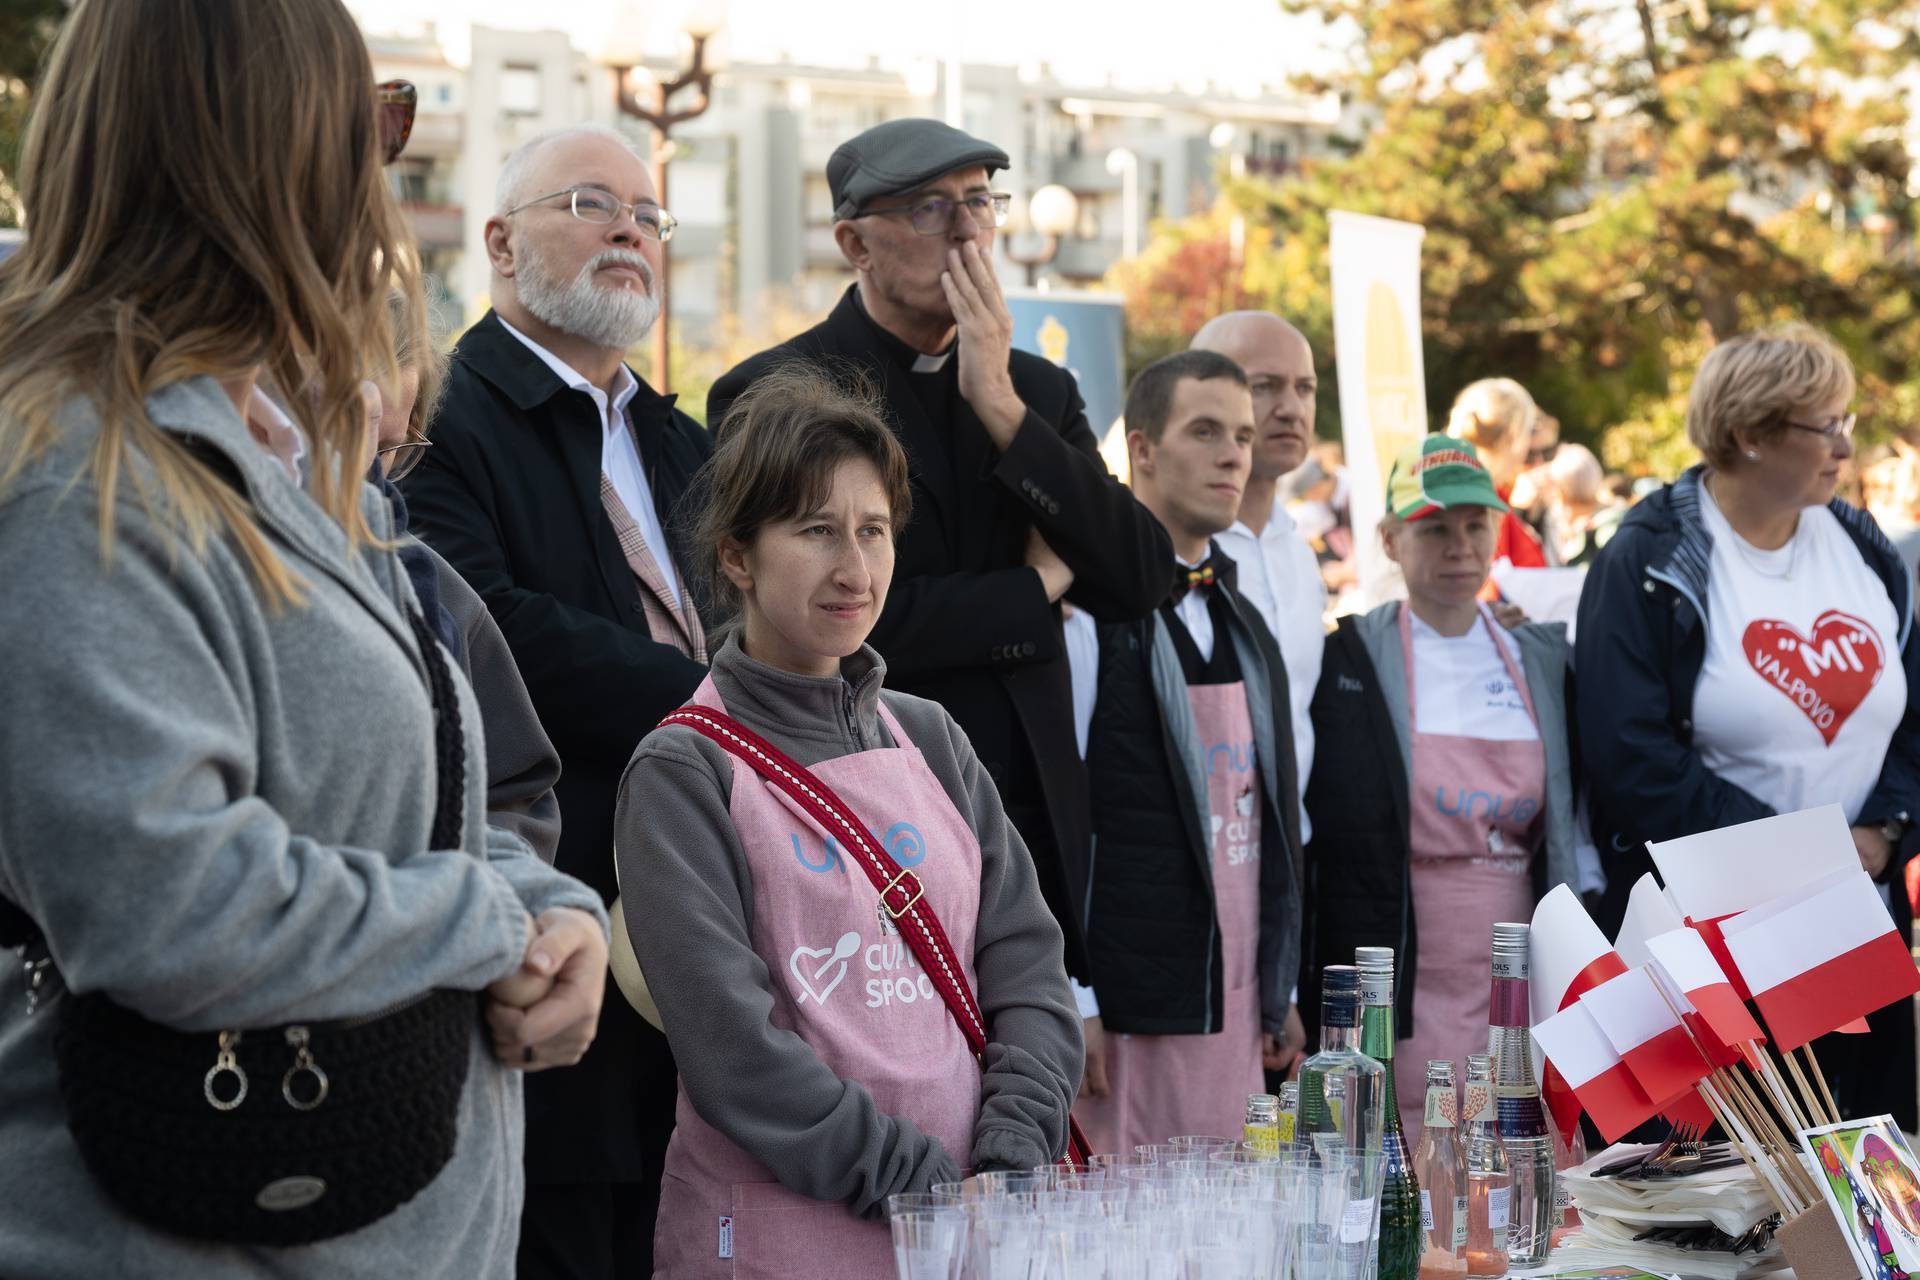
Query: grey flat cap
[[901, 155]]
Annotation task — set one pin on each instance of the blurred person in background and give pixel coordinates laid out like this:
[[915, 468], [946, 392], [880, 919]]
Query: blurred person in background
[[244, 811], [1891, 488], [1497, 417], [1582, 513], [1747, 648]]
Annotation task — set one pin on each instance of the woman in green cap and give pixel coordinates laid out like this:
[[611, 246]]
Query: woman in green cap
[[1442, 791]]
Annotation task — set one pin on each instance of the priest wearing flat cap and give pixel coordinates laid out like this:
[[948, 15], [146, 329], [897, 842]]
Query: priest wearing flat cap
[[1013, 511]]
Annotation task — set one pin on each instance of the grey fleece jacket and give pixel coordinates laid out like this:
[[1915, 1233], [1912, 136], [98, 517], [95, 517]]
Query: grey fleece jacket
[[218, 814], [763, 1087]]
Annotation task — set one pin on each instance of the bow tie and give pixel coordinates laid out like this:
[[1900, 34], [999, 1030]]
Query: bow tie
[[1201, 576]]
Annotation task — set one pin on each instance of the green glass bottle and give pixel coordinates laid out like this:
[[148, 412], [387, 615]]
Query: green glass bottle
[[1401, 1232]]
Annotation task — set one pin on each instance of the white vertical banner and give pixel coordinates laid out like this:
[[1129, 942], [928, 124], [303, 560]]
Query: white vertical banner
[[1383, 379]]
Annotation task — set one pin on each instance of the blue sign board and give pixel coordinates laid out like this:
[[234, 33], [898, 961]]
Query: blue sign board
[[1084, 333]]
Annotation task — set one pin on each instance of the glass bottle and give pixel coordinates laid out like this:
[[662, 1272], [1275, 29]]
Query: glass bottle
[[1400, 1232], [1339, 1085], [1289, 1111], [1522, 1120], [1261, 1130], [1340, 1116], [1566, 1155], [1489, 1182], [1440, 1167]]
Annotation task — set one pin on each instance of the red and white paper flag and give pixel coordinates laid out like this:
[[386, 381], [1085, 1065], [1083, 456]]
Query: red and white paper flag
[[1718, 873], [1591, 1069], [1821, 956], [1645, 1031], [1682, 956], [1569, 957], [1649, 911]]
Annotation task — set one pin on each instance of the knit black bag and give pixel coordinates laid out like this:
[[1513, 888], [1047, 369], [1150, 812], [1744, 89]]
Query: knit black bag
[[283, 1135]]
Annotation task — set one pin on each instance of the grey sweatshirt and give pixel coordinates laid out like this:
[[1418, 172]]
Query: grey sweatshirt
[[218, 814], [763, 1087]]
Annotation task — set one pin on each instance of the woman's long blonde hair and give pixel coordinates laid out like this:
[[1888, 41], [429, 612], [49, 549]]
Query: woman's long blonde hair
[[203, 193]]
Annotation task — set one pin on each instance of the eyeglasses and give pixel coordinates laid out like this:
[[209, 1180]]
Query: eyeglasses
[[934, 216], [406, 455], [1841, 428], [397, 99], [591, 204]]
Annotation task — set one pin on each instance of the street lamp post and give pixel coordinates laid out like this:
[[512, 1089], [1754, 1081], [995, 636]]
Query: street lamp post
[[1051, 212], [656, 110]]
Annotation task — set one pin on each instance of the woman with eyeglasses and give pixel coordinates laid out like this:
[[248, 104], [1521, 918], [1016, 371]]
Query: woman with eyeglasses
[[278, 977], [1746, 647]]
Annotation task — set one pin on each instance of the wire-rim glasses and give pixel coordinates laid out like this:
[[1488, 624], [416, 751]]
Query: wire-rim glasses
[[591, 204]]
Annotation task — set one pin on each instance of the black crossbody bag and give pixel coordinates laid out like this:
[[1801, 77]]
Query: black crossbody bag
[[277, 1135]]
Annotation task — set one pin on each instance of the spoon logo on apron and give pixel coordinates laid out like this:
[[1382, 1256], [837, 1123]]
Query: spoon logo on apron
[[811, 964]]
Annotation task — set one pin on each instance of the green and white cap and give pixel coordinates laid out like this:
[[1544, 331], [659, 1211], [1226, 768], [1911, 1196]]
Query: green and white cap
[[1437, 473]]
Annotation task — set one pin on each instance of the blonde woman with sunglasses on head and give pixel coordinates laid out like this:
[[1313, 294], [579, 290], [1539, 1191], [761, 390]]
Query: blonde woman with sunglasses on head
[[243, 841]]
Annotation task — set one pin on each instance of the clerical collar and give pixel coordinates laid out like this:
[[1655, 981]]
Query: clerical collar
[[904, 355]]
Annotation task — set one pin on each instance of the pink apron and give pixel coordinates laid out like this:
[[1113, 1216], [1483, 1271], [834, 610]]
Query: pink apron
[[853, 991], [1167, 1086], [1476, 809]]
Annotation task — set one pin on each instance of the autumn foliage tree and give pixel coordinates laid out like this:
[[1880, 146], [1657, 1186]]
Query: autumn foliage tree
[[1608, 187]]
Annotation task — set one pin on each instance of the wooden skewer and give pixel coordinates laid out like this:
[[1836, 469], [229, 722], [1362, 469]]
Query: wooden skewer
[[1814, 1108], [1793, 1111], [1763, 1170], [1813, 1061], [1778, 1149]]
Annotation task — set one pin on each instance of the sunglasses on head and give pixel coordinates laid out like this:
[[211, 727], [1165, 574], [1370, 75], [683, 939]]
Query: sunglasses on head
[[397, 99]]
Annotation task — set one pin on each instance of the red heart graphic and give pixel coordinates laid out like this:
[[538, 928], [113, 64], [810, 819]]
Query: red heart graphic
[[1828, 676]]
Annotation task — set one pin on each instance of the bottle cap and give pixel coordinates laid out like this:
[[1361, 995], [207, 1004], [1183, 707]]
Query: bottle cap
[[1365, 958], [1511, 947], [1340, 995]]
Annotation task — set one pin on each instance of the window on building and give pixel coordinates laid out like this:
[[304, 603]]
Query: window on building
[[520, 90]]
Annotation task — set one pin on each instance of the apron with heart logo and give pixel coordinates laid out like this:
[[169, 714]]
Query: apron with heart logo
[[1169, 1086], [850, 988], [1801, 688], [1476, 808]]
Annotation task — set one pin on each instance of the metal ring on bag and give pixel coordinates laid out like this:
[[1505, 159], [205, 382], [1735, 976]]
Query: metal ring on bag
[[286, 1085], [228, 1067]]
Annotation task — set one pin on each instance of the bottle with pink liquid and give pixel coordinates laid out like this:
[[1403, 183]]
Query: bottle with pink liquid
[[1489, 1181]]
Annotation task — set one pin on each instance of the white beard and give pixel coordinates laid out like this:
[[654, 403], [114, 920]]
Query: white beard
[[588, 311]]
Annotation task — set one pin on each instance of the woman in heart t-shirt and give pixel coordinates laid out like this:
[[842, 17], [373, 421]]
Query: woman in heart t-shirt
[[1747, 648]]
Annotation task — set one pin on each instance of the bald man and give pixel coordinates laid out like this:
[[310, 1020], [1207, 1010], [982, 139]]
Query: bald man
[[1279, 574], [553, 474]]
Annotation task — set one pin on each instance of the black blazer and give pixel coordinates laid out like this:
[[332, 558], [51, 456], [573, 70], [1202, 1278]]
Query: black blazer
[[509, 494], [967, 624]]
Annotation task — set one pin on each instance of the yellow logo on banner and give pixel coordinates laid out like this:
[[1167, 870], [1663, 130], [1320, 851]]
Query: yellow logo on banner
[[1392, 397], [1053, 337]]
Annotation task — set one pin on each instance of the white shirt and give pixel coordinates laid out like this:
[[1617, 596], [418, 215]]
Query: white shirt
[[1802, 687], [619, 454], [1461, 685], [1280, 577]]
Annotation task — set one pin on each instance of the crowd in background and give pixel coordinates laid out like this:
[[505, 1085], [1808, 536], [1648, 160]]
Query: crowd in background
[[930, 794]]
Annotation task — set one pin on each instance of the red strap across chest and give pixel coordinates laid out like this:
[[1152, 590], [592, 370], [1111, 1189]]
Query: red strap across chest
[[901, 893]]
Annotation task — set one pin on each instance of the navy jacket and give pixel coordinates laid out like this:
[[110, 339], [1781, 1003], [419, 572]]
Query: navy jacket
[[1642, 641], [510, 496]]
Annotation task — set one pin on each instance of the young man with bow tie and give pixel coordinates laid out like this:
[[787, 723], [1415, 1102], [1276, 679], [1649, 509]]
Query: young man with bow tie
[[1193, 916]]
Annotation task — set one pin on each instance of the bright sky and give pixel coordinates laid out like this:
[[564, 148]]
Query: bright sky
[[1141, 43]]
